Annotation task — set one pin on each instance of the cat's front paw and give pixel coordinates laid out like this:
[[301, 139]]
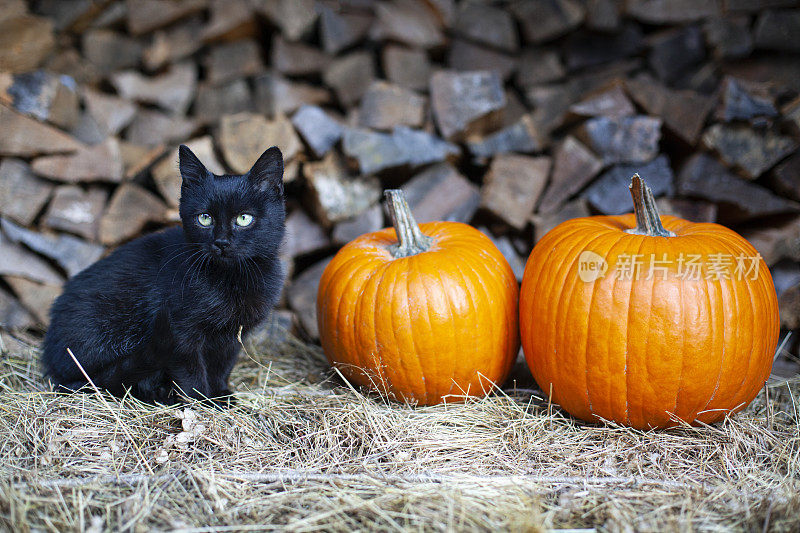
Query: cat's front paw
[[166, 395]]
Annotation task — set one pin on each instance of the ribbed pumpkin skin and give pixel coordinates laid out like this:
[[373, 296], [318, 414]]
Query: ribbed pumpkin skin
[[634, 351], [422, 327]]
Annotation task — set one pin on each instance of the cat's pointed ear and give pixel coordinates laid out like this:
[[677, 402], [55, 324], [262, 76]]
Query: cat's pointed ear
[[191, 168], [267, 172]]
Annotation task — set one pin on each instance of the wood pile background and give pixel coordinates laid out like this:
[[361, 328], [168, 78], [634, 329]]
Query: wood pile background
[[510, 115]]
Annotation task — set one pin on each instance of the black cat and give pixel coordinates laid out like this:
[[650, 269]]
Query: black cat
[[163, 311]]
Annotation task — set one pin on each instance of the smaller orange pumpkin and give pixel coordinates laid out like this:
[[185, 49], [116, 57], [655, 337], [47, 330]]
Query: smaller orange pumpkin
[[422, 320]]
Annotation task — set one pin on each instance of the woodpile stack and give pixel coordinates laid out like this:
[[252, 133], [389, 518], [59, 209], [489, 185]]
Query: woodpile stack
[[510, 115]]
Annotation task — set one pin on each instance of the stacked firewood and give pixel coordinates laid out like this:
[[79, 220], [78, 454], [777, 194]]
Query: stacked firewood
[[510, 115]]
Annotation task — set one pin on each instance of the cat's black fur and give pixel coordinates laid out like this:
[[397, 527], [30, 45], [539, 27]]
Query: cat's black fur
[[164, 310]]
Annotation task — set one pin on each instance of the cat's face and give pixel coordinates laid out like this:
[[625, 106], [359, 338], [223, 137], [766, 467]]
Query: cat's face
[[233, 217]]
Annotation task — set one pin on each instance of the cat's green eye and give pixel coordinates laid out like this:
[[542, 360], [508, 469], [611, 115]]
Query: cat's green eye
[[244, 220], [204, 219]]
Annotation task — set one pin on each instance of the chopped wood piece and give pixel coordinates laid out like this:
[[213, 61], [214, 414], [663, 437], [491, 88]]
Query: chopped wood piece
[[612, 103], [466, 56], [408, 67], [739, 104], [335, 194], [512, 187], [295, 18], [789, 306], [339, 30], [297, 59], [506, 248], [684, 112], [385, 106], [109, 112], [522, 136], [786, 176], [25, 41], [131, 208], [22, 195], [623, 140], [12, 315], [410, 22], [693, 210], [349, 76], [244, 137], [729, 36], [603, 15], [673, 11], [213, 102], [367, 222], [173, 91], [16, 260], [791, 116], [173, 44], [34, 296], [275, 94], [488, 25], [71, 253], [42, 95], [702, 176], [302, 296], [466, 103], [588, 50], [138, 158], [778, 30], [442, 193], [76, 210], [538, 66], [318, 129], [574, 167], [145, 16], [549, 19], [230, 20], [153, 128], [25, 137], [776, 242], [231, 61], [108, 50], [102, 162], [545, 222], [375, 152], [303, 235], [604, 195], [752, 152], [674, 52]]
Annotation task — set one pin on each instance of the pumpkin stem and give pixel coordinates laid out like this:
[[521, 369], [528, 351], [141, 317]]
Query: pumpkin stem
[[648, 221], [410, 237]]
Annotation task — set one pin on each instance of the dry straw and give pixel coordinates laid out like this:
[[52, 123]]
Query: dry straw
[[303, 451]]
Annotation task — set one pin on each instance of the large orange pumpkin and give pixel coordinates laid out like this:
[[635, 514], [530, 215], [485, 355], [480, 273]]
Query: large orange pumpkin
[[654, 348], [427, 319]]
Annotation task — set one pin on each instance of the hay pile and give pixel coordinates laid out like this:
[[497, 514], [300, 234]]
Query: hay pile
[[305, 452]]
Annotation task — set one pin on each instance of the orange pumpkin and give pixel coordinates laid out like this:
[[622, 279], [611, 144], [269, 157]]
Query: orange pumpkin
[[689, 337], [423, 320]]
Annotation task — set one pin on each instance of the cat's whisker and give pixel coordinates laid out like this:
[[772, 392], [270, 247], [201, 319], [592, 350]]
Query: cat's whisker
[[186, 260], [189, 271], [206, 259], [181, 253], [256, 265]]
